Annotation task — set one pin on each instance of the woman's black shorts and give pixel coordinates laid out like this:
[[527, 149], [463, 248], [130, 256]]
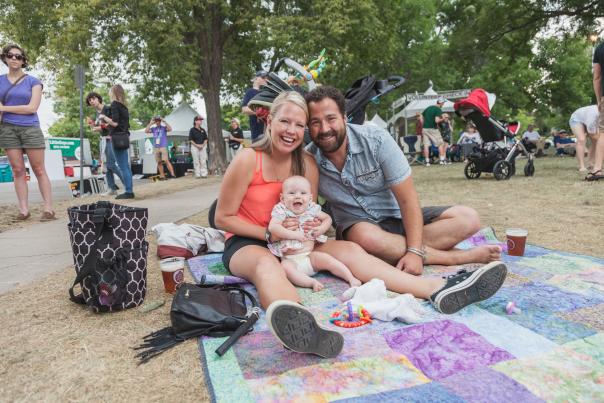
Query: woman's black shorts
[[234, 243]]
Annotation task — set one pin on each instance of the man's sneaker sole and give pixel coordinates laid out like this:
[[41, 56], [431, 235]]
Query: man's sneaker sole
[[482, 284], [298, 330]]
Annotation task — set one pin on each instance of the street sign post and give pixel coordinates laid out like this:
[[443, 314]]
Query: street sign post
[[79, 81]]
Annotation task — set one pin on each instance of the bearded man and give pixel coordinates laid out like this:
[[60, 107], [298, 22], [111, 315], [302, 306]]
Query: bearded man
[[367, 181]]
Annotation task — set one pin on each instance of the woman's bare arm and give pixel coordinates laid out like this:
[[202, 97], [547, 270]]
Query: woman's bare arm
[[31, 107], [235, 184]]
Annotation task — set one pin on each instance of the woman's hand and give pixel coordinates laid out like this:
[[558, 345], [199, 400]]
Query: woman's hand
[[291, 223], [311, 227]]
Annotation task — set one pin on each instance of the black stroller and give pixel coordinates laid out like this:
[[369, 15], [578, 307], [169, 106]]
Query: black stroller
[[492, 157], [365, 90]]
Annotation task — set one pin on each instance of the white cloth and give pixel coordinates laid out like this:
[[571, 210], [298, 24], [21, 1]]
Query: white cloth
[[200, 160], [186, 240], [469, 138], [372, 296], [531, 136], [588, 116]]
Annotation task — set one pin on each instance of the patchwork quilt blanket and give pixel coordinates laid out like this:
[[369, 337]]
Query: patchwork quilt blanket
[[552, 349]]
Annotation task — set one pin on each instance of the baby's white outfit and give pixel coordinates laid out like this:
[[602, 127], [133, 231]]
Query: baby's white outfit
[[302, 260]]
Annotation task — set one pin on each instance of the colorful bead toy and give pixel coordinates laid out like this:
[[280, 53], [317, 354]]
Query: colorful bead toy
[[346, 318]]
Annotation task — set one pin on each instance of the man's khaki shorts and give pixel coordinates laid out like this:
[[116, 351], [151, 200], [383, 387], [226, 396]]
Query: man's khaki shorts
[[161, 154], [13, 136], [432, 136]]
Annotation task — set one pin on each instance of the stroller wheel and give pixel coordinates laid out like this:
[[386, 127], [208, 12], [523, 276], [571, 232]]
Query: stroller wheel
[[502, 170], [471, 170], [529, 169]]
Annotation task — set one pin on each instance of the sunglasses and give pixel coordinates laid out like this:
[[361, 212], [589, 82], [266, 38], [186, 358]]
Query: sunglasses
[[15, 56]]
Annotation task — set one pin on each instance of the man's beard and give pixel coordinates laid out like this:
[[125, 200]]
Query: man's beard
[[331, 147]]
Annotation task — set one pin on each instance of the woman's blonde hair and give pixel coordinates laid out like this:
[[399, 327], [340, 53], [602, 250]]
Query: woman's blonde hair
[[265, 143], [116, 93]]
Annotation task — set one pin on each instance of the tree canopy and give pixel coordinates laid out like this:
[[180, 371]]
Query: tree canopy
[[533, 55]]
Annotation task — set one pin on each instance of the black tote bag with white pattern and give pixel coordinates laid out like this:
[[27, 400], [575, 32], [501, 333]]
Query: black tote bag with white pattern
[[109, 255]]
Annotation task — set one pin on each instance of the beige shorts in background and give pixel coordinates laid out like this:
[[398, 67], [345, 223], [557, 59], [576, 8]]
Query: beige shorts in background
[[432, 135], [13, 136], [601, 119], [161, 154]]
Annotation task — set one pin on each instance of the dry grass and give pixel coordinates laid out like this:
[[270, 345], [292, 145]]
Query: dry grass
[[559, 209], [143, 191], [51, 349]]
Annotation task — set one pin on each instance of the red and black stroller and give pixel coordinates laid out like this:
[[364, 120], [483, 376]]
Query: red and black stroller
[[496, 155]]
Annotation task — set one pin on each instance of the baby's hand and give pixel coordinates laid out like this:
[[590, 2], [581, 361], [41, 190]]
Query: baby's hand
[[300, 236]]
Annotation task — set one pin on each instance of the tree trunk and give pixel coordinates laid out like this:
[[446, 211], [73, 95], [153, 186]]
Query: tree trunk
[[217, 156], [210, 37]]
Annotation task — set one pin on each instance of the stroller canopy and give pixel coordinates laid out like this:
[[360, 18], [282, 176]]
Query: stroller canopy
[[476, 100]]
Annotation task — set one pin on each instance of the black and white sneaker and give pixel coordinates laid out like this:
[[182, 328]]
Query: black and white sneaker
[[466, 288], [297, 329]]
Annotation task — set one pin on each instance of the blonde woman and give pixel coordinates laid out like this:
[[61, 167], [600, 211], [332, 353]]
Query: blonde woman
[[250, 188], [20, 133], [118, 122]]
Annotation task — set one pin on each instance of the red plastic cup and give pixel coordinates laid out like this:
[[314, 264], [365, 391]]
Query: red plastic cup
[[173, 273], [516, 238]]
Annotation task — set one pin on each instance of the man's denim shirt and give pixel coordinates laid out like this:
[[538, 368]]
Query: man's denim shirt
[[374, 163]]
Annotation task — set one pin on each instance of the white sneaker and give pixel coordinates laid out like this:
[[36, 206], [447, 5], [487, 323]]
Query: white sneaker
[[109, 192], [442, 162], [427, 164]]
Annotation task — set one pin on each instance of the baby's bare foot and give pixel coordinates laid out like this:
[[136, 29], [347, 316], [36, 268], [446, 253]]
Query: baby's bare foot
[[317, 286], [355, 282]]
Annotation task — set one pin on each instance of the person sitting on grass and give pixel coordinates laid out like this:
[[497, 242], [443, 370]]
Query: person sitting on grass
[[251, 187], [296, 247], [564, 145]]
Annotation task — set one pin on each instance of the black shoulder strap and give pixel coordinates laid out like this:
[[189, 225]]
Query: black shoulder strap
[[101, 212], [13, 85]]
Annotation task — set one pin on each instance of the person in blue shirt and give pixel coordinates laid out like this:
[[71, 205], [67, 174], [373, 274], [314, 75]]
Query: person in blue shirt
[[160, 128], [367, 181], [256, 126]]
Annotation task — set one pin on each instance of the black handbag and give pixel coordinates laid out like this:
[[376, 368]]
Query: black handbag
[[203, 310], [120, 140], [109, 254]]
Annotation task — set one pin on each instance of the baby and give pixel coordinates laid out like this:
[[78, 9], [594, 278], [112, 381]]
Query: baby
[[296, 247]]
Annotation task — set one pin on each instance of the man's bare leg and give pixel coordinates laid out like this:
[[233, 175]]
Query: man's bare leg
[[391, 247], [366, 267], [453, 226]]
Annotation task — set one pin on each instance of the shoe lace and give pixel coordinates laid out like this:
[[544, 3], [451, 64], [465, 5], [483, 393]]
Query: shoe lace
[[457, 274]]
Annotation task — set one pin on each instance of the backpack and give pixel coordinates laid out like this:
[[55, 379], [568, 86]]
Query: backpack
[[109, 255]]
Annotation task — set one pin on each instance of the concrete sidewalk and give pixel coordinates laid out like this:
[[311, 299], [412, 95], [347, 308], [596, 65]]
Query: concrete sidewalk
[[30, 253]]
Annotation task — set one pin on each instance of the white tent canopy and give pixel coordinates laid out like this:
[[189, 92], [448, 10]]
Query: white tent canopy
[[427, 99], [181, 120], [377, 121]]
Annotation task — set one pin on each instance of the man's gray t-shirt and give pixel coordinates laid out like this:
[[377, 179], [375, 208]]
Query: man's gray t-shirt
[[373, 164]]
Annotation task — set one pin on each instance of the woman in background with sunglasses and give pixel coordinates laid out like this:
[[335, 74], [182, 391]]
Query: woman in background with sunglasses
[[20, 133]]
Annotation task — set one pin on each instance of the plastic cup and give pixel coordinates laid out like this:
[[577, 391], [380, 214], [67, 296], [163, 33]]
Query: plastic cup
[[173, 273], [516, 238]]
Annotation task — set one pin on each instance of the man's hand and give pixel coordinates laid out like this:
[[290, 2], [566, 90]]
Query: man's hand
[[411, 263]]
